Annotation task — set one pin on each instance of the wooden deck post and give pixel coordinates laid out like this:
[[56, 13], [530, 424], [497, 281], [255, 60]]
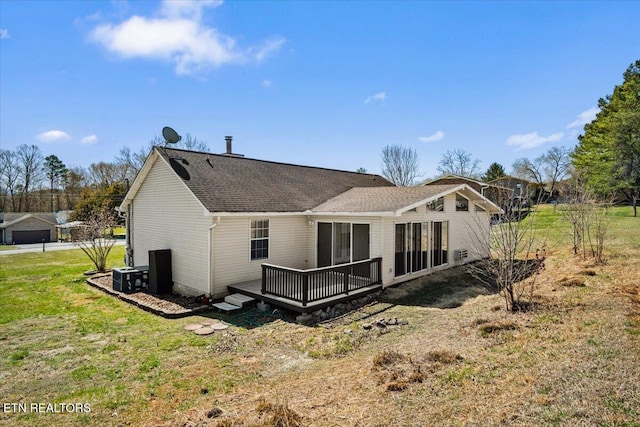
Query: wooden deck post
[[264, 279], [346, 279], [305, 289], [379, 278]]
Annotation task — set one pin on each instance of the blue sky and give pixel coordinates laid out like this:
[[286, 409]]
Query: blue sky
[[319, 83]]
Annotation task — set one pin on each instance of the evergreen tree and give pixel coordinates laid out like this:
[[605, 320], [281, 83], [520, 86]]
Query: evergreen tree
[[608, 154], [495, 171]]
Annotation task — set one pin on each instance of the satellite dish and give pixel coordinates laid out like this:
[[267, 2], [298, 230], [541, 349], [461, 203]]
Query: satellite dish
[[170, 135]]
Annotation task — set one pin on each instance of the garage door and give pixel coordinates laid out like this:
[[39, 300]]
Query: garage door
[[31, 236]]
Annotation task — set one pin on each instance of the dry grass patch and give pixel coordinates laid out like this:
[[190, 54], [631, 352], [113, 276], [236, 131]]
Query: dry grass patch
[[396, 371], [572, 282], [487, 327]]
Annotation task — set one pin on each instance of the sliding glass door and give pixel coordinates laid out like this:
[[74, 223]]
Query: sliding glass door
[[419, 246], [342, 242], [439, 243]]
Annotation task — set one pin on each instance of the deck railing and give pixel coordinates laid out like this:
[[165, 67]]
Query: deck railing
[[319, 283]]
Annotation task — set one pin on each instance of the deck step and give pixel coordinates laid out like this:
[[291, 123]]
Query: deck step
[[226, 307], [239, 299]]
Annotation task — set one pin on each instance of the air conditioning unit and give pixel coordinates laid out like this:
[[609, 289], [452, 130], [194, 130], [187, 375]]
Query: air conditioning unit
[[461, 254], [130, 279]]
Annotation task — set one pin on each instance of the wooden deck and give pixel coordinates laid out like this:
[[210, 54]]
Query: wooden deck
[[253, 289]]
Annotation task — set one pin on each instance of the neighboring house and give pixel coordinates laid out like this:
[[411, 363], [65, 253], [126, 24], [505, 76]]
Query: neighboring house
[[230, 220], [496, 193], [22, 228], [522, 188]]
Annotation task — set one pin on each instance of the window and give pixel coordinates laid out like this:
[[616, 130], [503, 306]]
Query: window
[[436, 205], [462, 204], [259, 239]]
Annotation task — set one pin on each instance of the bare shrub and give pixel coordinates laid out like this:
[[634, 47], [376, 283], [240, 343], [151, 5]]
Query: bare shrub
[[387, 358], [94, 237], [588, 221], [513, 260]]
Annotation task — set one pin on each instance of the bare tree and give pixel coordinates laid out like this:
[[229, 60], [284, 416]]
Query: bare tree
[[130, 162], [104, 174], [514, 259], [95, 237], [74, 180], [400, 164], [9, 175], [30, 159], [188, 142], [532, 171], [557, 166], [459, 162]]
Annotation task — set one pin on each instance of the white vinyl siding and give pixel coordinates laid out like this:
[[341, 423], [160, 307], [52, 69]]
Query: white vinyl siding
[[165, 215], [232, 248], [466, 230]]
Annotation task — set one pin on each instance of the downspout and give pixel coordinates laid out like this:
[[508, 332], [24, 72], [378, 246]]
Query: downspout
[[129, 234], [128, 255], [210, 257]]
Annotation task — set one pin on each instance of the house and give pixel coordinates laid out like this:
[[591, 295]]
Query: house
[[479, 186], [22, 228], [530, 191], [494, 192], [292, 234]]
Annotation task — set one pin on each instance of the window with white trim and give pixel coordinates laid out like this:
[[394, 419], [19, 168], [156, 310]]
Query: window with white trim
[[259, 239]]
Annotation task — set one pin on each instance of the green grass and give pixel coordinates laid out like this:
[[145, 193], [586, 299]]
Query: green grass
[[8, 247], [64, 341], [550, 226]]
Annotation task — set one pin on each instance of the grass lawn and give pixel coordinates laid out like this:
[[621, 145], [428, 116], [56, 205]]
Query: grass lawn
[[7, 247], [457, 359]]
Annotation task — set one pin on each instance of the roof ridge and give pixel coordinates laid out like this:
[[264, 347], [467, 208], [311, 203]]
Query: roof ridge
[[274, 162]]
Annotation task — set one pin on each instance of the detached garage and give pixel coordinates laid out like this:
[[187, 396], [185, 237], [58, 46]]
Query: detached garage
[[28, 228]]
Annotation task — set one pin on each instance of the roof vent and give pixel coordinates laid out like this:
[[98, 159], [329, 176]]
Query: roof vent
[[230, 152]]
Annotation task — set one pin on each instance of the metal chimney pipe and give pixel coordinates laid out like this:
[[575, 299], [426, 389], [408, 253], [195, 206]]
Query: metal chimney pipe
[[229, 139]]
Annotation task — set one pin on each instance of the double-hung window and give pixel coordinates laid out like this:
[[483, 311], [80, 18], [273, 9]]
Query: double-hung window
[[259, 239]]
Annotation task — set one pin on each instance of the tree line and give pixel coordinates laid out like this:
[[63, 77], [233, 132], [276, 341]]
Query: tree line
[[31, 182]]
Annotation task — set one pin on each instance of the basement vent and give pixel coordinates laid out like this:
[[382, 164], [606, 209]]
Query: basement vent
[[461, 254]]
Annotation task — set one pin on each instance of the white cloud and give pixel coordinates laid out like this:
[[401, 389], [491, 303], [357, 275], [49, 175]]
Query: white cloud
[[4, 33], [270, 46], [267, 83], [53, 135], [178, 35], [584, 118], [532, 140], [379, 97], [432, 138], [88, 140]]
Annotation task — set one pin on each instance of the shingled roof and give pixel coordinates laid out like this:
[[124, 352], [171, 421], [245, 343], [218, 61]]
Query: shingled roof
[[384, 199], [235, 184]]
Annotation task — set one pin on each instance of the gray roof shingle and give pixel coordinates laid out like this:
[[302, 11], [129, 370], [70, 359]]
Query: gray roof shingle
[[237, 184], [381, 199]]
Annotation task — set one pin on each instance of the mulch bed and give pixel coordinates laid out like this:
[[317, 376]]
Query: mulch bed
[[171, 306]]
